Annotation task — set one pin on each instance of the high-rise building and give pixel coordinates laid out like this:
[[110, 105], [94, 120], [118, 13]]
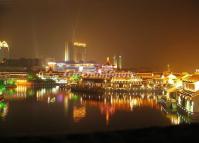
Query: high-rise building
[[66, 53], [168, 68], [120, 62], [79, 52], [4, 51], [115, 61], [75, 52], [108, 62]]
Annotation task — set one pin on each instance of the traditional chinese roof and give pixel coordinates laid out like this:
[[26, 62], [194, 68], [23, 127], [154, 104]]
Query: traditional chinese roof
[[193, 78]]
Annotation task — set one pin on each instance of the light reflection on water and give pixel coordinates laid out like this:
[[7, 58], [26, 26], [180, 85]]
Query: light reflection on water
[[72, 112]]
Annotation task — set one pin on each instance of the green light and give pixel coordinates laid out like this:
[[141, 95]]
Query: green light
[[30, 92], [11, 92], [2, 87], [75, 78], [10, 82], [74, 97], [2, 105], [32, 77]]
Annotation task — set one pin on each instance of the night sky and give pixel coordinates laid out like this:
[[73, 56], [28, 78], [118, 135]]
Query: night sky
[[147, 33]]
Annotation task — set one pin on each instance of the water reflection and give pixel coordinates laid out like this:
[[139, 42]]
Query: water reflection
[[79, 113], [3, 109], [110, 104], [78, 106]]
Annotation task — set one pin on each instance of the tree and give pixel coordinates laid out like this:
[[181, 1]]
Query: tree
[[32, 77], [75, 78]]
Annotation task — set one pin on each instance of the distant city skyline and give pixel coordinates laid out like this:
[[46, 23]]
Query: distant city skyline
[[149, 34]]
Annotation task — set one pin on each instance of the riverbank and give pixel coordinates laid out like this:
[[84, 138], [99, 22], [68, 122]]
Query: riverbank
[[155, 134]]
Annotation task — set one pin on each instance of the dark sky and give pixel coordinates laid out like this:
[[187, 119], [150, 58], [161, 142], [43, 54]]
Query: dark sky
[[147, 33]]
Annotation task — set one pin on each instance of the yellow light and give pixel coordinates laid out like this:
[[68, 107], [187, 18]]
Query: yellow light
[[196, 86], [178, 84], [4, 44], [51, 63], [79, 44], [79, 113], [21, 82]]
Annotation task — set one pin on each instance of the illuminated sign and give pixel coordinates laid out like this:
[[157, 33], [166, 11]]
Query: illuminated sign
[[51, 63], [79, 44]]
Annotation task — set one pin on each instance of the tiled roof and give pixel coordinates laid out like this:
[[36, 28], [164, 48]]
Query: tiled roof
[[193, 78]]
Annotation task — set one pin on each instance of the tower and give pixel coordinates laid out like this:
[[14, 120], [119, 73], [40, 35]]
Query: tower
[[115, 61], [168, 68], [108, 61], [66, 52], [4, 50], [120, 62]]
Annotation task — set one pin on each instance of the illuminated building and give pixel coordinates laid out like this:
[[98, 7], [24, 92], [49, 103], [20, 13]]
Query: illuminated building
[[75, 52], [120, 62], [48, 60], [188, 97], [147, 77], [191, 83], [125, 80], [108, 62], [174, 79], [66, 53], [107, 67], [4, 51], [21, 82], [168, 68], [72, 67], [79, 52], [69, 52], [50, 64], [158, 79], [94, 85], [115, 61], [171, 79]]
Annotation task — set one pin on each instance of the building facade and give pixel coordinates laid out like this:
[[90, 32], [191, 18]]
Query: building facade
[[75, 51], [4, 51], [79, 52], [120, 62]]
